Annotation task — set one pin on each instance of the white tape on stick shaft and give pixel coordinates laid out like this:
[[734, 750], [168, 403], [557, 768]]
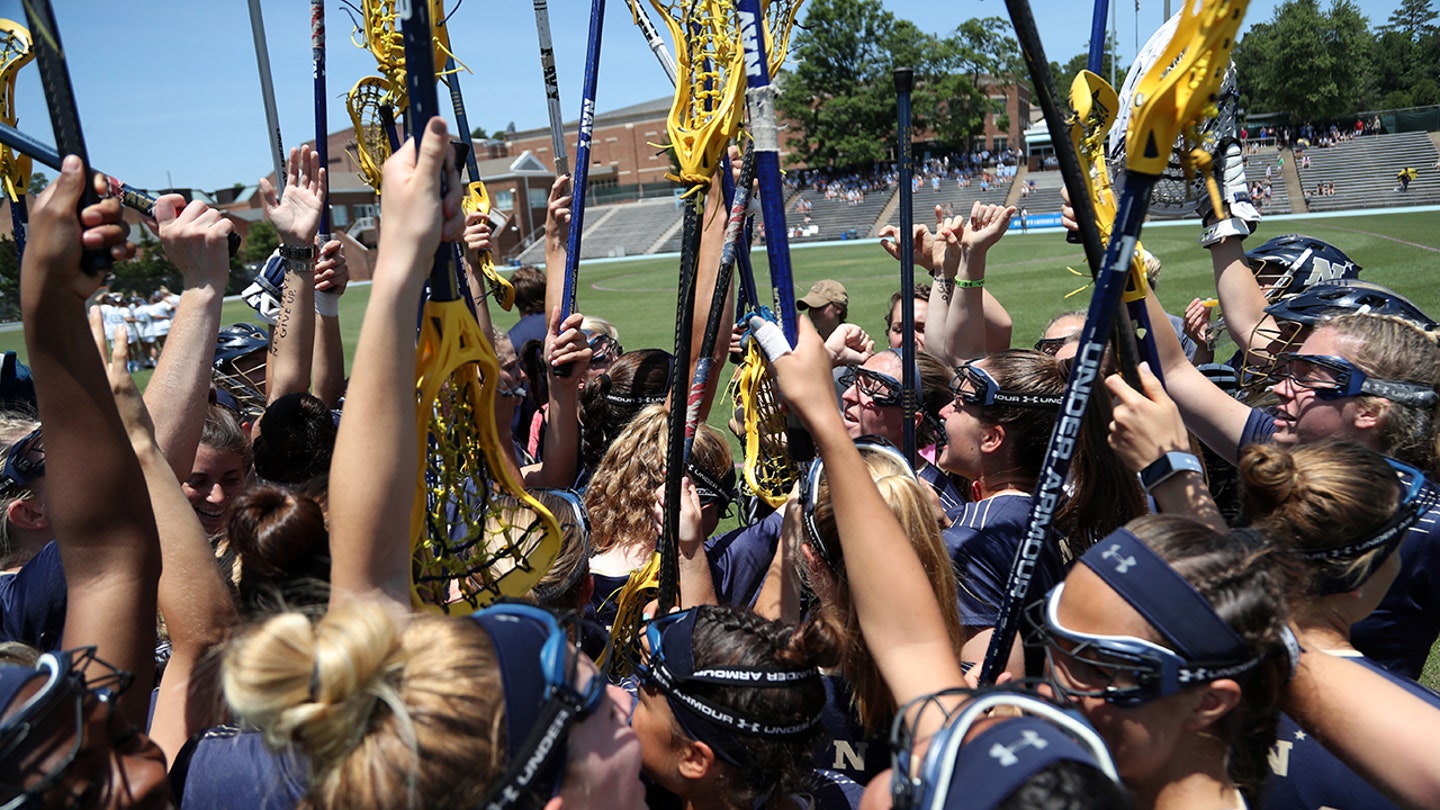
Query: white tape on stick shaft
[[770, 337]]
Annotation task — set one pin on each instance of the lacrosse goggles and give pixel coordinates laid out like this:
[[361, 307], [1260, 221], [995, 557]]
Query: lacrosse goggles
[[973, 385], [1333, 377]]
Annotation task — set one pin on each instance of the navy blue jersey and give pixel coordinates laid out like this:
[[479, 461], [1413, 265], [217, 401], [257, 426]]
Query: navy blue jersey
[[1305, 776], [846, 748], [32, 601], [952, 498], [226, 767], [982, 545], [1399, 634], [740, 558]]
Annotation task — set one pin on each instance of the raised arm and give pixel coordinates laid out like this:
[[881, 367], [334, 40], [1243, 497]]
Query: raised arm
[[101, 517], [565, 345], [332, 275], [192, 597], [557, 232], [898, 613], [966, 246], [296, 216], [195, 238], [370, 515]]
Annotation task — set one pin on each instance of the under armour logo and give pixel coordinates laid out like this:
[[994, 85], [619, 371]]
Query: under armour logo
[[1005, 754], [1122, 563]]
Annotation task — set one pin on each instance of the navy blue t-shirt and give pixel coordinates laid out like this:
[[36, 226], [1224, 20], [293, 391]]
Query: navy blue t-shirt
[[225, 767], [982, 545], [32, 601], [1306, 776], [740, 558], [1399, 634], [845, 748]]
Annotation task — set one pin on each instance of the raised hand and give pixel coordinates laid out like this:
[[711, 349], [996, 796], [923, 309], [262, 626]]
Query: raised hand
[[988, 223], [849, 345], [196, 238], [58, 237], [296, 213], [416, 218], [566, 344], [1146, 424], [332, 274], [477, 232]]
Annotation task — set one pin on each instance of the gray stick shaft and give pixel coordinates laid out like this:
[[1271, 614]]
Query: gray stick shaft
[[552, 87], [267, 90], [652, 36]]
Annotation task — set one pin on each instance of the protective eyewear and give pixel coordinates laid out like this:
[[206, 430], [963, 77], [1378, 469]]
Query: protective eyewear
[[604, 349], [24, 462], [986, 766], [564, 705], [810, 488], [1333, 377], [1121, 670], [1053, 345], [72, 679], [882, 389], [1415, 501], [973, 385]]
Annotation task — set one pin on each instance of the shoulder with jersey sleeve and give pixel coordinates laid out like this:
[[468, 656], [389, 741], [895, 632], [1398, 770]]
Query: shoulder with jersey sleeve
[[1304, 775], [1259, 428], [982, 546], [227, 767], [740, 558], [33, 599], [1398, 635], [845, 748]]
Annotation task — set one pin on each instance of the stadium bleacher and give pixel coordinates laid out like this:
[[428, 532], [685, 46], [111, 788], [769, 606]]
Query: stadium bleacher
[[1363, 171]]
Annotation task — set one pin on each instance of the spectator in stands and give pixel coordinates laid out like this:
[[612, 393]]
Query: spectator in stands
[[827, 303], [1406, 175], [530, 300]]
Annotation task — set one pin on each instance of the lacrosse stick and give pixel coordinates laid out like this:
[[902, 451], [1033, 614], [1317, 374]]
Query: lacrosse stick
[[476, 197], [1174, 96], [703, 118], [322, 135], [15, 53], [1178, 191], [64, 117], [652, 38], [267, 93], [734, 234], [383, 38], [475, 531], [1096, 58], [904, 82], [372, 142], [129, 196], [1094, 102], [580, 182], [552, 86]]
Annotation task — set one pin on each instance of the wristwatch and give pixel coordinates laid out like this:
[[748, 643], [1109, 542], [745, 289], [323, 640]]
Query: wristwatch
[[299, 254], [1168, 466]]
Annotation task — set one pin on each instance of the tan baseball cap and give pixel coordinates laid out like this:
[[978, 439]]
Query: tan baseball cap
[[825, 291]]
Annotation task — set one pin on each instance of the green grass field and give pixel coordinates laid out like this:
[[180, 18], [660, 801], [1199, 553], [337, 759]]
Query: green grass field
[[1026, 272]]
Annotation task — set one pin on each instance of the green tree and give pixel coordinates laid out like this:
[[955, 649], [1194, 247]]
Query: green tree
[[1414, 18], [979, 59], [9, 280], [1315, 65], [260, 243], [1065, 74], [478, 133], [38, 182]]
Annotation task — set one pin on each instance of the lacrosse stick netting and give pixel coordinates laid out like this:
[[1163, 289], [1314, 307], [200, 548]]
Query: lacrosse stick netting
[[15, 54]]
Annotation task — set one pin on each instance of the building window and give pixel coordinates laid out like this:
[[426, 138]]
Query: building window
[[539, 197], [339, 216], [367, 211], [503, 200]]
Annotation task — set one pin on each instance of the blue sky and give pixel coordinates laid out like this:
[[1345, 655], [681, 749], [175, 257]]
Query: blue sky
[[169, 94]]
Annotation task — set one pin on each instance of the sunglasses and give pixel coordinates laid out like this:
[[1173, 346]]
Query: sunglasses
[[72, 679], [973, 385], [1121, 670], [604, 349], [882, 389], [24, 462], [1333, 377], [564, 703], [1053, 345]]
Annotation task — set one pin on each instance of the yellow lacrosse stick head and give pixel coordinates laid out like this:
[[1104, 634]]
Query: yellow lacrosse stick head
[[710, 77], [630, 601], [779, 24], [510, 544], [15, 53], [372, 143], [1180, 89], [767, 467], [477, 200], [1095, 104]]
